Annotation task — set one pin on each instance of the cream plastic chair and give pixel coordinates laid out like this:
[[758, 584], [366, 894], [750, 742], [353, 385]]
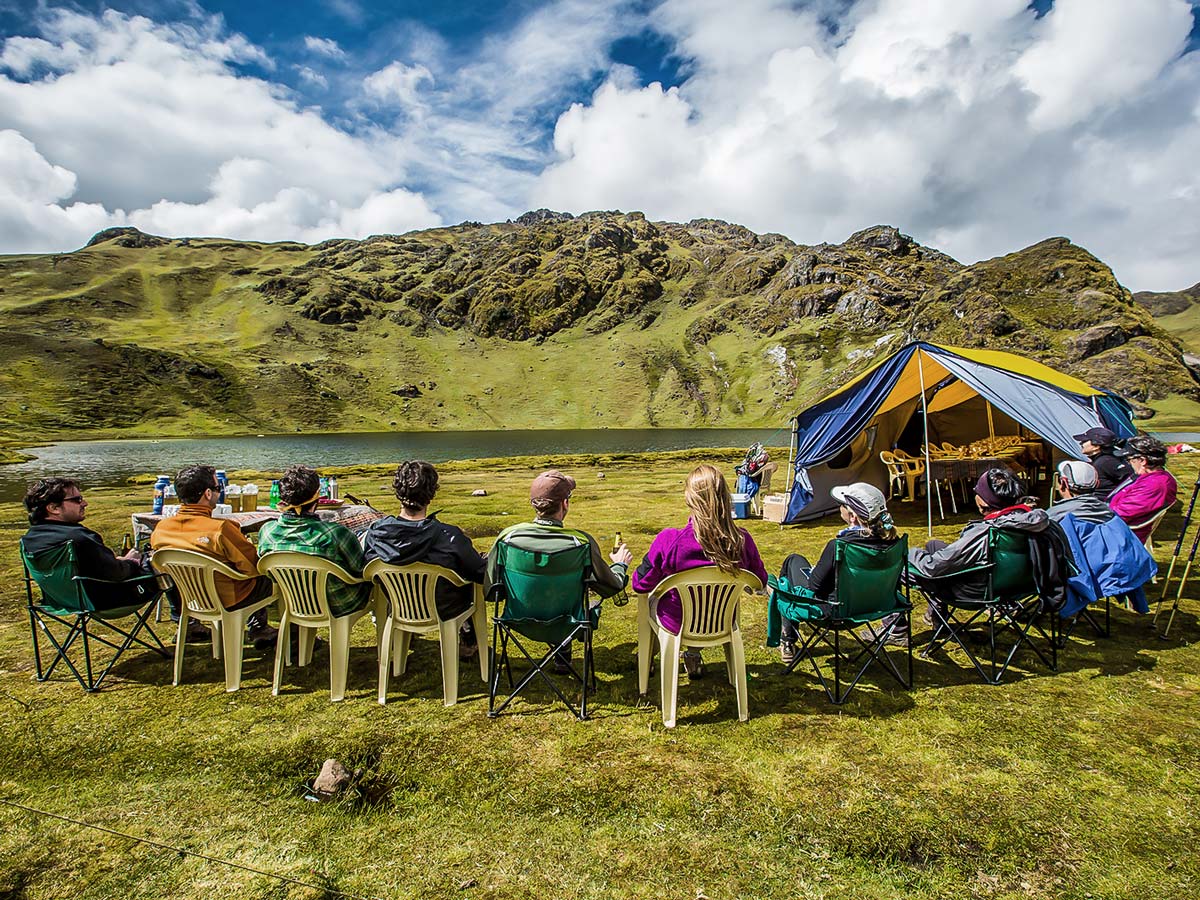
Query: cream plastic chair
[[194, 575], [710, 600], [905, 471], [301, 581], [407, 600]]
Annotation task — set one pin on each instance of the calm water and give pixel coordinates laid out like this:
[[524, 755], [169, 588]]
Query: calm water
[[106, 463]]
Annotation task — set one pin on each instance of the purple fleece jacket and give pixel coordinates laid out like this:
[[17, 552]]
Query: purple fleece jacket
[[676, 550]]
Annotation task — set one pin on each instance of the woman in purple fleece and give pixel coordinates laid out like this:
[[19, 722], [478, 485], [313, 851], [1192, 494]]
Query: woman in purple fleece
[[710, 538]]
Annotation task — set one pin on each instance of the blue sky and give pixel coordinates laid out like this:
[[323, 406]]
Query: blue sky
[[979, 126]]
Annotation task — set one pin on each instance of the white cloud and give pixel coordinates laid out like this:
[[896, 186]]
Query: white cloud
[[973, 124], [324, 47], [151, 124], [312, 76], [397, 83]]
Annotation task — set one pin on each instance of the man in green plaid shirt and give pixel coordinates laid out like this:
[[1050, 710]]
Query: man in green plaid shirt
[[299, 530]]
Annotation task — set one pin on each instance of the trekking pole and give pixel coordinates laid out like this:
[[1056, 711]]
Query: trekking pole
[[1182, 582], [1187, 520]]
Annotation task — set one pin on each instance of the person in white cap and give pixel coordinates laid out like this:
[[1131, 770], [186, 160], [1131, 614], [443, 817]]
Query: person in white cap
[[1077, 484], [864, 510]]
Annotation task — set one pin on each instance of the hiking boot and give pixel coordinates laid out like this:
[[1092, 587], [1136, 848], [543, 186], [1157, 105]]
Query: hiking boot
[[693, 665], [467, 651], [787, 652], [928, 617], [561, 666], [197, 634], [895, 639]]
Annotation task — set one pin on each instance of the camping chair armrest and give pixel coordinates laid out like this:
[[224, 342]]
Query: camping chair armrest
[[915, 576], [87, 579], [495, 594]]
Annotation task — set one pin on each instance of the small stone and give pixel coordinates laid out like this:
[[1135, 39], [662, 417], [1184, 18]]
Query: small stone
[[334, 778], [599, 474], [479, 493]]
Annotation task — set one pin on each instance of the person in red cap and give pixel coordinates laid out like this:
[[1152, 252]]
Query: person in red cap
[[550, 496], [1112, 471]]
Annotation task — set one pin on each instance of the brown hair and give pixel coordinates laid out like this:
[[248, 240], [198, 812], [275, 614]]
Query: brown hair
[[299, 483], [415, 484], [707, 496], [42, 493]]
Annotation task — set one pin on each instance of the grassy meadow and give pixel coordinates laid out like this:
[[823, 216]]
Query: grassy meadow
[[1080, 784]]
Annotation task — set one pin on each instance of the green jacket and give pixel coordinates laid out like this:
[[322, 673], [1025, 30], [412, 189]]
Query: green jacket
[[547, 536]]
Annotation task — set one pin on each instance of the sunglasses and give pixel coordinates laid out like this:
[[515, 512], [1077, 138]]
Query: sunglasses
[[78, 499]]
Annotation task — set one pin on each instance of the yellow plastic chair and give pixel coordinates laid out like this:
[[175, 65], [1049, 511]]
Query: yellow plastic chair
[[194, 575], [710, 600], [301, 581], [407, 594]]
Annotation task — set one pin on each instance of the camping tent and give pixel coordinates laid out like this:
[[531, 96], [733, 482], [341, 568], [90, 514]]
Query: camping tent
[[928, 391]]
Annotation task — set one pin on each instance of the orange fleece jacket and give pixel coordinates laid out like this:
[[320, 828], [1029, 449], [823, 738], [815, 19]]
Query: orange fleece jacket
[[194, 528]]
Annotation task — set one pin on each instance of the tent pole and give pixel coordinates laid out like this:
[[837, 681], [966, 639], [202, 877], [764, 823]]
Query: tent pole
[[925, 418], [991, 426], [791, 476]]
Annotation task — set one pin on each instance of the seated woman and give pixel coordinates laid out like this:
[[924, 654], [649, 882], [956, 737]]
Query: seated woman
[[710, 538], [1152, 487], [864, 510], [300, 529]]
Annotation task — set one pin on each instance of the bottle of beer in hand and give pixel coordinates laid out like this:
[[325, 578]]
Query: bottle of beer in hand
[[126, 543], [617, 542]]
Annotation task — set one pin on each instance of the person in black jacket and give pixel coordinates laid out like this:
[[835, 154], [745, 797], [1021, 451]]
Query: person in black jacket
[[416, 536], [56, 508], [1112, 471]]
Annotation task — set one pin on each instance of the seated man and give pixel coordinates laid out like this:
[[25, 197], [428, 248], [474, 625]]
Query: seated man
[[416, 536], [1111, 470], [56, 508], [550, 496], [300, 530], [1078, 484], [194, 528], [1000, 497]]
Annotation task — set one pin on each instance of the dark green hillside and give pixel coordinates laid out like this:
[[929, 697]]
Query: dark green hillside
[[604, 319]]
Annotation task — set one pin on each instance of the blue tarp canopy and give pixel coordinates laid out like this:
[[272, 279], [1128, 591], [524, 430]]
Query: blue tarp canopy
[[966, 393]]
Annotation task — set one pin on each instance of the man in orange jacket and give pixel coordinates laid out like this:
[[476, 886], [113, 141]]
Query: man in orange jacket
[[194, 528]]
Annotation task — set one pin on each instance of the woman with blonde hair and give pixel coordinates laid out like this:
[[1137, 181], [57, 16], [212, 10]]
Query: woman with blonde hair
[[710, 538]]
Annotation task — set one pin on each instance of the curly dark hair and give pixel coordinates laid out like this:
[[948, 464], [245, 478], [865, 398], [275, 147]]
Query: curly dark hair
[[415, 484], [298, 483], [1006, 486], [42, 493], [192, 481], [1150, 449]]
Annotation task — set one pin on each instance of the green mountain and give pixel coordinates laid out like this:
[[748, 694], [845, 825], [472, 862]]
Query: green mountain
[[551, 320]]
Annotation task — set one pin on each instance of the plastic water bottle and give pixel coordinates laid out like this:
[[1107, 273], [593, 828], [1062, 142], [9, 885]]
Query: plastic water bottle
[[160, 488], [333, 488], [274, 501], [324, 492], [222, 481]]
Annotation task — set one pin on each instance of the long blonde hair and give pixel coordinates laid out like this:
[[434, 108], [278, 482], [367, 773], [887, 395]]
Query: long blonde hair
[[707, 496]]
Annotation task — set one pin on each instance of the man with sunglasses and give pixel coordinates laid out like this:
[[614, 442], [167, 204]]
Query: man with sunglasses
[[56, 510], [194, 528]]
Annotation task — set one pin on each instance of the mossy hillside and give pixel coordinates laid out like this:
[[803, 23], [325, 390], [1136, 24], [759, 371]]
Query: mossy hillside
[[604, 319], [1071, 785]]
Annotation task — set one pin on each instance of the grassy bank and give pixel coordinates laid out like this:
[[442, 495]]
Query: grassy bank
[[1081, 784]]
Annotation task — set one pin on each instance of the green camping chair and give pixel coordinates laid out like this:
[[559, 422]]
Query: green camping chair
[[1010, 602], [64, 602], [544, 599], [868, 588]]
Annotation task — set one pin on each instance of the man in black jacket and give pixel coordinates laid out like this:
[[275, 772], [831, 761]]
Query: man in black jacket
[[416, 536], [56, 508]]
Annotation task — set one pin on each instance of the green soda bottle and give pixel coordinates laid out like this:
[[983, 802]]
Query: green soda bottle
[[274, 501]]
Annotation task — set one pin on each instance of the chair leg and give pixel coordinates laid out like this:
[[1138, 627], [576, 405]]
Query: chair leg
[[669, 648], [87, 658], [479, 623], [281, 653], [218, 639], [448, 637], [729, 671], [180, 641], [384, 635], [645, 647], [339, 656], [737, 658], [232, 629], [308, 638], [403, 640]]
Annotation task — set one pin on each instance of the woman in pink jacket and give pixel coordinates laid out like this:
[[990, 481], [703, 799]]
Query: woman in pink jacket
[[711, 537], [1152, 488]]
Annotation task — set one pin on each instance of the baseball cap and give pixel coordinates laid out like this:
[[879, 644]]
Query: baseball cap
[[1078, 473], [1101, 437], [551, 485], [865, 500]]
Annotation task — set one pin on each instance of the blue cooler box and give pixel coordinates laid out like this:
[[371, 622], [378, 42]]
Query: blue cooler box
[[741, 506]]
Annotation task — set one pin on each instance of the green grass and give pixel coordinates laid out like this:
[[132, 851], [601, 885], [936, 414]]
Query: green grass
[[1081, 784]]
